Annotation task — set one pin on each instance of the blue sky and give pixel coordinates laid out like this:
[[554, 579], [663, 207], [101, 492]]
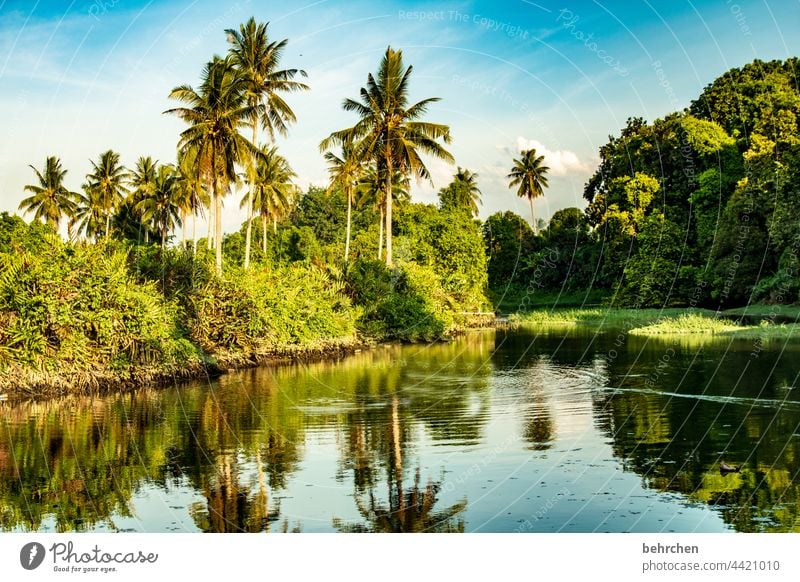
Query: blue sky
[[77, 78]]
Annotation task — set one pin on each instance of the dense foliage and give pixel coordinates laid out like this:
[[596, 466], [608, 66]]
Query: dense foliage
[[697, 208]]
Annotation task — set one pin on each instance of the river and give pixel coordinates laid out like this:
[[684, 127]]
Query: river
[[498, 431]]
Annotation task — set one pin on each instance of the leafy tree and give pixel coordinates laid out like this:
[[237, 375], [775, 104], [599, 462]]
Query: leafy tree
[[508, 239], [462, 193]]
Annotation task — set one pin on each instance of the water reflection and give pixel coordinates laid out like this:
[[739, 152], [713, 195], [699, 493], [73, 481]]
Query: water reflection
[[557, 431]]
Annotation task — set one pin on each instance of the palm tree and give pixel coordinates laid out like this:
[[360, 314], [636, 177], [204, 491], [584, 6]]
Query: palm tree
[[258, 60], [345, 172], [462, 192], [89, 215], [51, 200], [530, 175], [216, 113], [389, 131], [272, 189], [161, 206], [193, 196], [107, 180], [142, 182]]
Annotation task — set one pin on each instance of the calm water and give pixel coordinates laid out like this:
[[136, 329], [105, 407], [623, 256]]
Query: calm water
[[499, 431]]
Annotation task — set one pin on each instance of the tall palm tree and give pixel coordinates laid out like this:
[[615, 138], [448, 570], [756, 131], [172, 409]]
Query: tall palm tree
[[258, 61], [216, 112], [107, 180], [161, 206], [345, 172], [389, 131], [529, 174], [142, 182], [272, 190], [51, 200]]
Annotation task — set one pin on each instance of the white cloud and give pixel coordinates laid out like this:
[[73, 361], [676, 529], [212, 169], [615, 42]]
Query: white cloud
[[560, 162]]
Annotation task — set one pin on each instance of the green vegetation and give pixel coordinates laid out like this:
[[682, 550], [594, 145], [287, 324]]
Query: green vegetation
[[118, 305], [696, 324], [600, 317], [696, 209], [688, 323]]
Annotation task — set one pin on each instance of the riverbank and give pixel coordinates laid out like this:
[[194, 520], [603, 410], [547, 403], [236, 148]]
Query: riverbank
[[25, 382]]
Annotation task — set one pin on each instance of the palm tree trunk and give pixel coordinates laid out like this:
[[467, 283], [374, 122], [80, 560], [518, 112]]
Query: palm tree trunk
[[108, 223], [398, 455], [194, 234], [249, 235], [388, 213], [183, 229], [264, 233], [274, 224], [250, 205], [217, 211], [380, 235], [211, 204], [347, 236], [533, 218]]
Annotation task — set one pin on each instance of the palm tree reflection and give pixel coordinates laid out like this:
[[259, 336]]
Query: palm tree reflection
[[403, 511]]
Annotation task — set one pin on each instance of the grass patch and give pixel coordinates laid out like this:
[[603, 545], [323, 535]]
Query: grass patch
[[687, 323], [598, 318], [703, 325]]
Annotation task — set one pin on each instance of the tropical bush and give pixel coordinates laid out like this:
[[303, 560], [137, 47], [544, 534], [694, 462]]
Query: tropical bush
[[77, 313]]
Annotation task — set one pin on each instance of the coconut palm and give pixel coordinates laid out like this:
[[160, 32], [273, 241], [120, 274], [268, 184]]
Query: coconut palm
[[389, 130], [462, 192], [193, 196], [529, 175], [51, 200], [142, 182], [272, 190], [216, 112], [161, 206], [345, 172], [108, 182], [89, 216], [258, 61]]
